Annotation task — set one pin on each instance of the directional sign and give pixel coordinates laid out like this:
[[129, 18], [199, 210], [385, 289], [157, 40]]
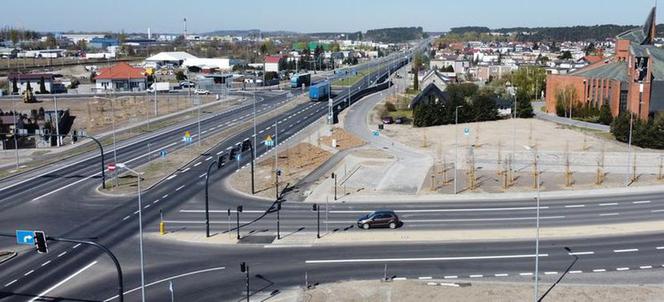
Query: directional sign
[[163, 153], [375, 133], [25, 237], [187, 134], [466, 131], [111, 167]]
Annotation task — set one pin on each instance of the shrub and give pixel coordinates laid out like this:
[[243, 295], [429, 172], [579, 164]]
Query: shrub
[[605, 116], [390, 107]]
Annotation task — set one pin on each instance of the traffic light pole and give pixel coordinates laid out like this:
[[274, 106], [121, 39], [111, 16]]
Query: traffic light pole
[[207, 199], [97, 245], [253, 159]]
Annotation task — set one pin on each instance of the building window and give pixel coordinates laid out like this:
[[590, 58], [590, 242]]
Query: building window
[[623, 101]]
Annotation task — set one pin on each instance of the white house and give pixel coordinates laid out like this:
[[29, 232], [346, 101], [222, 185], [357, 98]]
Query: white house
[[272, 63]]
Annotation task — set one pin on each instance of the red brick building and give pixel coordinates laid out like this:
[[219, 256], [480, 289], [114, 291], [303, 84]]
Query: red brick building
[[630, 81]]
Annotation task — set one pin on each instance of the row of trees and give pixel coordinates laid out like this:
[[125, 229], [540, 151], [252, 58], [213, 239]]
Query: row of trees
[[567, 105], [645, 134], [476, 106]]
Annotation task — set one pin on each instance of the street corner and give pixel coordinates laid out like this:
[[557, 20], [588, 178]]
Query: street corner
[[6, 256], [185, 236]]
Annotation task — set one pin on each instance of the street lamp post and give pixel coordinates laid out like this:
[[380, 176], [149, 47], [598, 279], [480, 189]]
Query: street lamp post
[[140, 227], [629, 149], [456, 145], [537, 218], [219, 163]]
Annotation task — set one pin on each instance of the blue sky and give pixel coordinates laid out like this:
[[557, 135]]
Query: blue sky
[[314, 16]]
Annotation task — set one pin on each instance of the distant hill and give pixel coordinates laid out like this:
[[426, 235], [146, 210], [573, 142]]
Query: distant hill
[[557, 34], [395, 34]]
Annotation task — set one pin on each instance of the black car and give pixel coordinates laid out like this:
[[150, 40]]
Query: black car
[[377, 219], [400, 120]]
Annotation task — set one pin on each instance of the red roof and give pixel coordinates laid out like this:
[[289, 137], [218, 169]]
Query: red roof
[[272, 59], [121, 71], [593, 59]]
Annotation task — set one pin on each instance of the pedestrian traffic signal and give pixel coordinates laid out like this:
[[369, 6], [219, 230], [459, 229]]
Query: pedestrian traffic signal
[[243, 267], [239, 209], [315, 207], [246, 145], [232, 153], [40, 242]]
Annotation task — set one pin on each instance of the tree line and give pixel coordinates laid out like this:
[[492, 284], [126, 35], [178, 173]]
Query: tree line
[[474, 105]]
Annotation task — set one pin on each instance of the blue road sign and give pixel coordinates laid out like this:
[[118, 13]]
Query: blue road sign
[[375, 133], [163, 153], [237, 157], [25, 237], [466, 131]]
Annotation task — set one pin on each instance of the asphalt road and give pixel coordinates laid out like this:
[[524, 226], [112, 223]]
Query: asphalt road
[[46, 204], [205, 272]]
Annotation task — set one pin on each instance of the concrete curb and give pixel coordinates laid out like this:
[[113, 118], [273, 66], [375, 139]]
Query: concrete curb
[[8, 256]]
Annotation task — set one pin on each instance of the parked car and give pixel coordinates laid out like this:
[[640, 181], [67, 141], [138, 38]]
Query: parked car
[[388, 120], [187, 84], [201, 91], [377, 219], [400, 120]]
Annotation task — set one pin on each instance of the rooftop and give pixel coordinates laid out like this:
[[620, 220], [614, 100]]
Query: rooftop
[[121, 71]]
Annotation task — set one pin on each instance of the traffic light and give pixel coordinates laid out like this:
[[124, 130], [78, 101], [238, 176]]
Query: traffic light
[[246, 145], [315, 207], [221, 161], [243, 267], [239, 209], [333, 175], [40, 242], [232, 153]]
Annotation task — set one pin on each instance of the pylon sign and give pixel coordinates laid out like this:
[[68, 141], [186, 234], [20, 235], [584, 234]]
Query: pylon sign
[[268, 141]]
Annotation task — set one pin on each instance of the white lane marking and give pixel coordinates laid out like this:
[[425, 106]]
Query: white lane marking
[[46, 263], [126, 217], [425, 278], [202, 175], [581, 253], [425, 259], [221, 211], [220, 152], [501, 275], [179, 188], [622, 269], [476, 276], [660, 248], [609, 214], [608, 204], [575, 272], [62, 254], [197, 164], [399, 278], [209, 158], [641, 202], [10, 283], [626, 251], [135, 212], [185, 170], [480, 219], [599, 270], [147, 206], [645, 267], [656, 211], [156, 201], [42, 294], [525, 274], [165, 195], [443, 210], [576, 206], [450, 277], [171, 177], [77, 245], [551, 273], [28, 273]]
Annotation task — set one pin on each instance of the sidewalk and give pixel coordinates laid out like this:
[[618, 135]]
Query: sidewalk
[[566, 121]]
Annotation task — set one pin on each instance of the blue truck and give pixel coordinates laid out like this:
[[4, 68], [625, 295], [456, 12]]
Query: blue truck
[[297, 80], [320, 92]]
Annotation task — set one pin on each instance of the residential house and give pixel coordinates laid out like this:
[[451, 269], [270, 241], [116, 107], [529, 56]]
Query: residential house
[[272, 63], [431, 94], [122, 77]]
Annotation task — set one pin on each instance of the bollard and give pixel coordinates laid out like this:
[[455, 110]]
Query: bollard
[[162, 228]]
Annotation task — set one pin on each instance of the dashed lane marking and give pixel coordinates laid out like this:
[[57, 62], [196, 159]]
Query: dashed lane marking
[[599, 270], [28, 273], [626, 251], [582, 253], [62, 254], [10, 283], [197, 164], [622, 269], [450, 277], [46, 263], [645, 267], [608, 204], [609, 214]]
